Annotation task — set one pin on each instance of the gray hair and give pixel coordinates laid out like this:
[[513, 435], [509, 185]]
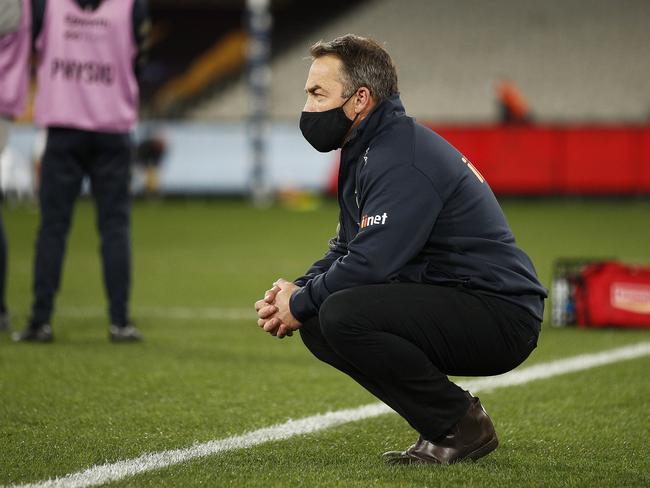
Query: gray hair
[[365, 63]]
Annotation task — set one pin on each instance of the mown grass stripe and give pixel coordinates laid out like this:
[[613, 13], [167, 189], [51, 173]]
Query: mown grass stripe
[[106, 473]]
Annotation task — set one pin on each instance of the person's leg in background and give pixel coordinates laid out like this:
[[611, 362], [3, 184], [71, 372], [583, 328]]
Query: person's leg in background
[[62, 175], [110, 173], [408, 337]]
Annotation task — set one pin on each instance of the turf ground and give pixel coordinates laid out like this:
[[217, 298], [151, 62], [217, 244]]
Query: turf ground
[[207, 372]]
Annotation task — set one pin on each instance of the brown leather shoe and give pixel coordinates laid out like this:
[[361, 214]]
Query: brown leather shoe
[[472, 437]]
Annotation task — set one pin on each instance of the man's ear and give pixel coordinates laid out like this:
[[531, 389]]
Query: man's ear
[[364, 101]]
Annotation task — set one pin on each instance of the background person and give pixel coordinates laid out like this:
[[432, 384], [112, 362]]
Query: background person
[[149, 155], [87, 98], [513, 106], [423, 278], [15, 47]]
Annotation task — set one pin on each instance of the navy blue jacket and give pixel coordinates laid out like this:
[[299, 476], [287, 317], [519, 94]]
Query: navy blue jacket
[[413, 209]]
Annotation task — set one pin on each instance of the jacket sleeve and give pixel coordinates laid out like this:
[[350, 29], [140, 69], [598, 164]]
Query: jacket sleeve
[[337, 249], [399, 207]]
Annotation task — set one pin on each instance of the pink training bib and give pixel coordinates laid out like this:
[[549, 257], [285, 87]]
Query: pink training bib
[[85, 71], [14, 65]]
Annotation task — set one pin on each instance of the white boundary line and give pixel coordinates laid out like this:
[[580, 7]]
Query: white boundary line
[[106, 473]]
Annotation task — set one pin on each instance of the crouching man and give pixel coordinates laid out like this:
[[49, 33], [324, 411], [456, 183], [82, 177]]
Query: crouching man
[[423, 278]]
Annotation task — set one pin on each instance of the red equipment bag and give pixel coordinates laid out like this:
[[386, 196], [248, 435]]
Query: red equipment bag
[[613, 294]]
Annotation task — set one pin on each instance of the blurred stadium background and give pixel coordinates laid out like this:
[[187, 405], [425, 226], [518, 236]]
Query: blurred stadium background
[[581, 65], [206, 372]]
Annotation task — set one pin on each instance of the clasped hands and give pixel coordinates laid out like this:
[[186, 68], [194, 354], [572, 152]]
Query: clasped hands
[[273, 312]]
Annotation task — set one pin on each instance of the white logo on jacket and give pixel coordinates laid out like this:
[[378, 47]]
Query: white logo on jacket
[[367, 221]]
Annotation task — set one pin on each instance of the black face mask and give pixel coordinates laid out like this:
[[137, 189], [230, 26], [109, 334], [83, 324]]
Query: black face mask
[[326, 130]]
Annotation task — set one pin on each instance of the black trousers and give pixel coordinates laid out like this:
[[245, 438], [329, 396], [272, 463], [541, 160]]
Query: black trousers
[[400, 341], [70, 155]]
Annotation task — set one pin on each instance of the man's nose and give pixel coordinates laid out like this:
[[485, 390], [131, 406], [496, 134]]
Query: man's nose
[[310, 106]]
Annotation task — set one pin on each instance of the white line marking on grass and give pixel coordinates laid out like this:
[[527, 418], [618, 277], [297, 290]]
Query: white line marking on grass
[[558, 367], [175, 313], [105, 473]]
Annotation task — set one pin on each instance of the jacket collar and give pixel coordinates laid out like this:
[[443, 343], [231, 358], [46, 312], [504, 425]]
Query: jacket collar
[[383, 114]]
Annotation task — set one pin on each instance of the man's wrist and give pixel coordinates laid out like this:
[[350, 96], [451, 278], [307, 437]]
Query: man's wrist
[[295, 306]]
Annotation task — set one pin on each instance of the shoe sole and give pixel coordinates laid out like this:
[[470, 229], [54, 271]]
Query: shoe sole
[[396, 458], [484, 450]]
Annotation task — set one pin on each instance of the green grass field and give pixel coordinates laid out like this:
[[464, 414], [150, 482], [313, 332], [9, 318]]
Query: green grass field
[[203, 374]]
